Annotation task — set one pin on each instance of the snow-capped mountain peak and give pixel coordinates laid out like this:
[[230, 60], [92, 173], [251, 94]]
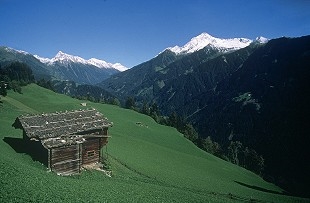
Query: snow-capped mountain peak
[[206, 39], [261, 40], [119, 67], [62, 58], [65, 59]]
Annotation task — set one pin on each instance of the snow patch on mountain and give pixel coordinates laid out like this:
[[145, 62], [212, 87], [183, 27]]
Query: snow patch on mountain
[[261, 40], [119, 67], [65, 59], [43, 60], [98, 63], [103, 64], [16, 51], [205, 39]]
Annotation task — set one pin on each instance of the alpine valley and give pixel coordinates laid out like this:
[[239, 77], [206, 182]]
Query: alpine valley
[[252, 91]]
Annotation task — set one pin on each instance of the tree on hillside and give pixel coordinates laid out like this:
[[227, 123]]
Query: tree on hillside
[[251, 160], [173, 120], [3, 87], [245, 157], [46, 84], [18, 71], [234, 150], [130, 103], [212, 147], [15, 75], [145, 109], [15, 86], [154, 112], [190, 132], [114, 101]]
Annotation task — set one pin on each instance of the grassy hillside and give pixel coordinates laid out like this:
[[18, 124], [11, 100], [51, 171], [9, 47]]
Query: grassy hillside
[[150, 163]]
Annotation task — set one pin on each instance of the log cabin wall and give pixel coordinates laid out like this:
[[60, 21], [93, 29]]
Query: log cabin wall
[[91, 151], [65, 160]]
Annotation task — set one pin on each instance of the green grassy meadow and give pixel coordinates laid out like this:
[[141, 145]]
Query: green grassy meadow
[[149, 162]]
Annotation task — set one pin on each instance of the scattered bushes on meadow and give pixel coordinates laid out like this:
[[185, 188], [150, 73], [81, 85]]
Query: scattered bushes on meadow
[[235, 153]]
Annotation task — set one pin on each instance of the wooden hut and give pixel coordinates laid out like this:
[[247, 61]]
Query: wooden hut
[[70, 140]]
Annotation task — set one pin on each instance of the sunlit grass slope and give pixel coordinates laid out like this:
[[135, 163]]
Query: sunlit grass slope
[[150, 162]]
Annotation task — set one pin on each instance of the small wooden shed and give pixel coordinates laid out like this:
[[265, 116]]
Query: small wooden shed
[[70, 140]]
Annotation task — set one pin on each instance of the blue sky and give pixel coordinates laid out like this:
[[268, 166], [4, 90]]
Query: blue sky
[[134, 31]]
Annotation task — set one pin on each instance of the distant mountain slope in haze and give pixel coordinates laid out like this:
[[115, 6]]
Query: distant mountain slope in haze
[[9, 55], [63, 66], [67, 59]]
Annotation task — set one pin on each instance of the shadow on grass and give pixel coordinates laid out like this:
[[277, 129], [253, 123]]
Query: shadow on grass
[[35, 150], [263, 189]]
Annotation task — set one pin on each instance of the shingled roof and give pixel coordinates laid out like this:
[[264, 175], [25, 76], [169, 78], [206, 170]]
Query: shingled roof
[[60, 124]]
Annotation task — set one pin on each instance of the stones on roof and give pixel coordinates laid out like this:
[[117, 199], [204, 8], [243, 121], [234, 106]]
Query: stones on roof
[[62, 124]]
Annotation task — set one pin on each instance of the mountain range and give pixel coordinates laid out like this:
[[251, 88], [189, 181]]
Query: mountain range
[[63, 66], [223, 45], [74, 68], [66, 60]]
